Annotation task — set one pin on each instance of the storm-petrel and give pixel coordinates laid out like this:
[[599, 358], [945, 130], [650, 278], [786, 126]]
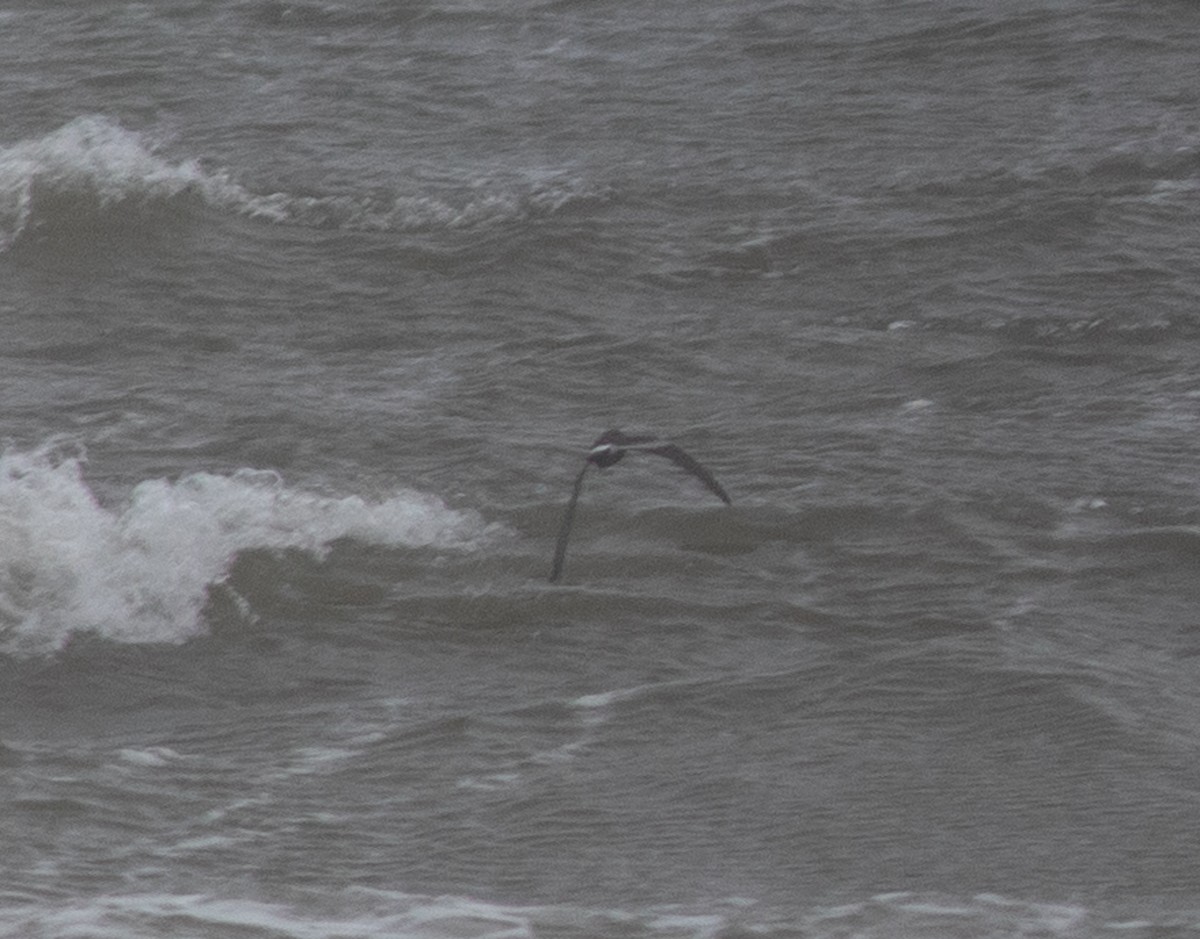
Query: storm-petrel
[[611, 447]]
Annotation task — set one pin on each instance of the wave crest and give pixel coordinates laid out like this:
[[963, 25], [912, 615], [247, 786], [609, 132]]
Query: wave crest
[[142, 573], [93, 164], [89, 166]]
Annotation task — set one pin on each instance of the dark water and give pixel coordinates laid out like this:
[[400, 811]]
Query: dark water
[[310, 312]]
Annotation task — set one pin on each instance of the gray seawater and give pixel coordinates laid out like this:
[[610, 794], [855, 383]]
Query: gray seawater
[[309, 313]]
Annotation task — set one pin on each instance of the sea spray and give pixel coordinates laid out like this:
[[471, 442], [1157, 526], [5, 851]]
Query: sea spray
[[93, 163], [141, 572]]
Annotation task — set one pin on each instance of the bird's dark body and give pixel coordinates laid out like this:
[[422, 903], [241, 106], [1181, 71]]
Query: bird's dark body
[[610, 448]]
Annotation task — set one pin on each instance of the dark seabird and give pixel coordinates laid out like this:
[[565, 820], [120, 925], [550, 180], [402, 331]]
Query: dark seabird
[[611, 447]]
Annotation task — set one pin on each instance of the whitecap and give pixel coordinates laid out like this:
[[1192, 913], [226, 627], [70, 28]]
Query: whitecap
[[96, 159], [141, 572], [149, 757]]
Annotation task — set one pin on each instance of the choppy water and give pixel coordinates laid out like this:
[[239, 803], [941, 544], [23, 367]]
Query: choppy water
[[310, 312]]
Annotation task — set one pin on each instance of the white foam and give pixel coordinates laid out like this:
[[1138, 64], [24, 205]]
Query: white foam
[[485, 203], [904, 913], [362, 916], [364, 913], [96, 157], [141, 572], [149, 757]]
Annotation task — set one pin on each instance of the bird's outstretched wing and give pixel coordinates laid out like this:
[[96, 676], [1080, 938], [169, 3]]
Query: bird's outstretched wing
[[564, 530], [608, 449], [686, 461]]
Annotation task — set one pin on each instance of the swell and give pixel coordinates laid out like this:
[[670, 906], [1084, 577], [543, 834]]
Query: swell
[[143, 572], [1042, 234], [94, 174]]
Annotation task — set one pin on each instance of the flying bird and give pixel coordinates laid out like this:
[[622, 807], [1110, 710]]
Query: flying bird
[[611, 447]]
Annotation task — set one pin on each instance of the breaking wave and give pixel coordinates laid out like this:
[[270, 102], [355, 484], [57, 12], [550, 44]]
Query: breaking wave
[[141, 573], [93, 165]]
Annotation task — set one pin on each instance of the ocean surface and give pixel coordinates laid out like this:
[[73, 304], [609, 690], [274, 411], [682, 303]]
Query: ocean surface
[[309, 314]]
